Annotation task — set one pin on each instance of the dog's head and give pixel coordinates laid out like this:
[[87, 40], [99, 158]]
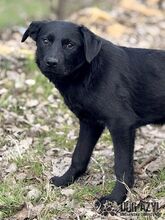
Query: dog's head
[[62, 47]]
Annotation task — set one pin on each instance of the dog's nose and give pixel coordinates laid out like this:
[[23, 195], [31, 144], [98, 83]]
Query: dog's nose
[[51, 61]]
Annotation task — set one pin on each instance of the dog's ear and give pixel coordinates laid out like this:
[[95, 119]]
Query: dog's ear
[[32, 30], [92, 43]]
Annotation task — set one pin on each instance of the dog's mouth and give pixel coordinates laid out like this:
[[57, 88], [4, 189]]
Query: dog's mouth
[[58, 72], [53, 73]]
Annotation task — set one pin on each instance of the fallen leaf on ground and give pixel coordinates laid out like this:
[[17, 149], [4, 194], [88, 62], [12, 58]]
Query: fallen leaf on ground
[[157, 164]]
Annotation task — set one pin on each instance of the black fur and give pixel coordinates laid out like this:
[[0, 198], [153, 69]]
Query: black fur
[[105, 86]]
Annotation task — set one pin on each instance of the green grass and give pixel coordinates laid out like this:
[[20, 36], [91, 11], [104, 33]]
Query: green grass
[[30, 66], [13, 12], [59, 139], [162, 175], [39, 147], [49, 213], [30, 164], [106, 137], [90, 193], [5, 65], [2, 141], [4, 101], [11, 196], [42, 81], [158, 180], [62, 141], [37, 168]]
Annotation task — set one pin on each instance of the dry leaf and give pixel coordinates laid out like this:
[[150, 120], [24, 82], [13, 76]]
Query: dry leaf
[[157, 164], [22, 214]]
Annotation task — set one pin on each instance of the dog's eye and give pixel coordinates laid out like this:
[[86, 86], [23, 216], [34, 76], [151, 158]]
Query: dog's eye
[[68, 45], [45, 41]]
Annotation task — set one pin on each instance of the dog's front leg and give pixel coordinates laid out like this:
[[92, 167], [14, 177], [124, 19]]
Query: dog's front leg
[[88, 136], [123, 139]]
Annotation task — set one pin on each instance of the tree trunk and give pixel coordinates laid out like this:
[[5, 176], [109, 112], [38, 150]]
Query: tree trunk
[[61, 9]]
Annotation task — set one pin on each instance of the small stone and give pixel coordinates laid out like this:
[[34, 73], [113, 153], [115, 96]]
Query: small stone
[[21, 176], [67, 192], [3, 91], [12, 168], [30, 82], [33, 194], [32, 103]]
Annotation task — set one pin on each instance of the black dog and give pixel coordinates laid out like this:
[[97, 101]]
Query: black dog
[[105, 86]]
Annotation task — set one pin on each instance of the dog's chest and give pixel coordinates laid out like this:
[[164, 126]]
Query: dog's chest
[[77, 105], [83, 103]]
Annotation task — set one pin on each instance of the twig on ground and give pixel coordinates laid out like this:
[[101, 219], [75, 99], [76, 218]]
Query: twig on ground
[[102, 170]]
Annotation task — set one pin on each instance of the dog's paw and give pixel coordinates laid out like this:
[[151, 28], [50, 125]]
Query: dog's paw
[[61, 181], [110, 198], [105, 205], [56, 180], [109, 204]]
